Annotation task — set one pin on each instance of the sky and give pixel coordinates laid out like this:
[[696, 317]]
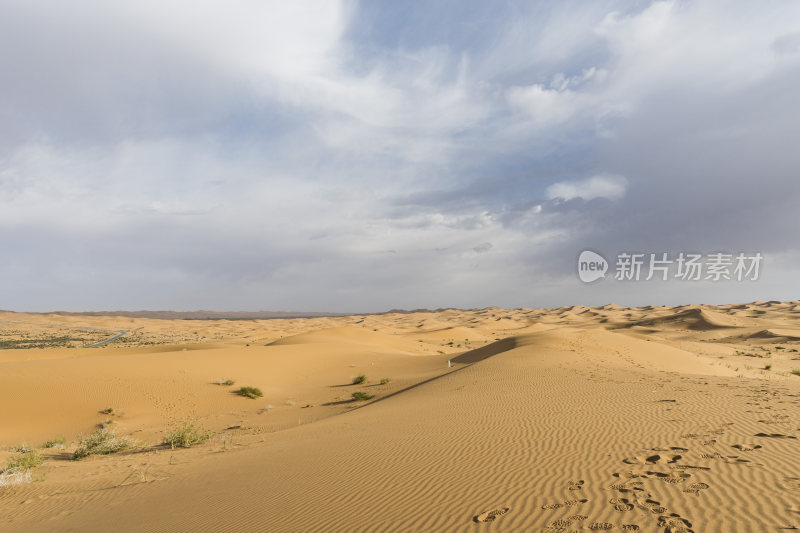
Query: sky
[[363, 156]]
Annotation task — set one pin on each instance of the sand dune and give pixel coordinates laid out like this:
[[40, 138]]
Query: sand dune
[[691, 319], [785, 334], [356, 336], [573, 419]]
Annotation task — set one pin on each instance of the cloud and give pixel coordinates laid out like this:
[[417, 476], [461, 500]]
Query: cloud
[[602, 186], [360, 156], [558, 102]]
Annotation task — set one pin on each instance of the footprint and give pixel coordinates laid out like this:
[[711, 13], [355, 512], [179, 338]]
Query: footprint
[[558, 525], [630, 527], [791, 483], [632, 488], [631, 474], [673, 523], [746, 447], [601, 526], [651, 506], [672, 477], [695, 488], [575, 485], [652, 459], [735, 459], [489, 516], [675, 476], [690, 467], [621, 504], [568, 503]]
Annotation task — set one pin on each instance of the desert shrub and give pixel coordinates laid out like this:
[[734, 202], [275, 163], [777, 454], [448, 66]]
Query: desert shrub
[[384, 381], [52, 443], [767, 367], [226, 382], [250, 392], [796, 372], [361, 396], [358, 380], [185, 435], [107, 411], [101, 442], [25, 462]]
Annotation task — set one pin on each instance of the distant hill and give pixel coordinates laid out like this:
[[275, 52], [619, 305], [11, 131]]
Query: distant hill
[[200, 315]]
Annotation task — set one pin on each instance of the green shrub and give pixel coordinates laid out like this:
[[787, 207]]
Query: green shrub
[[25, 462], [384, 381], [52, 443], [796, 372], [185, 435], [358, 380], [767, 367], [250, 392], [361, 396], [226, 382], [101, 442], [107, 411]]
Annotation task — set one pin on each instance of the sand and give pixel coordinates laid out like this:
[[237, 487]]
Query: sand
[[569, 419]]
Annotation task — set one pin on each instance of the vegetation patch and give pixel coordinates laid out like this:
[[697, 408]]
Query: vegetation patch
[[361, 396], [101, 442], [25, 462], [185, 435], [250, 392], [57, 442]]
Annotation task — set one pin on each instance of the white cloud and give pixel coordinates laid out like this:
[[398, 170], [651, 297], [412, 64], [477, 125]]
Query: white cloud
[[606, 186]]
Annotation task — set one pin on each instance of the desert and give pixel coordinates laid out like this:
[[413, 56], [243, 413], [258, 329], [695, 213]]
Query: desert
[[578, 418]]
